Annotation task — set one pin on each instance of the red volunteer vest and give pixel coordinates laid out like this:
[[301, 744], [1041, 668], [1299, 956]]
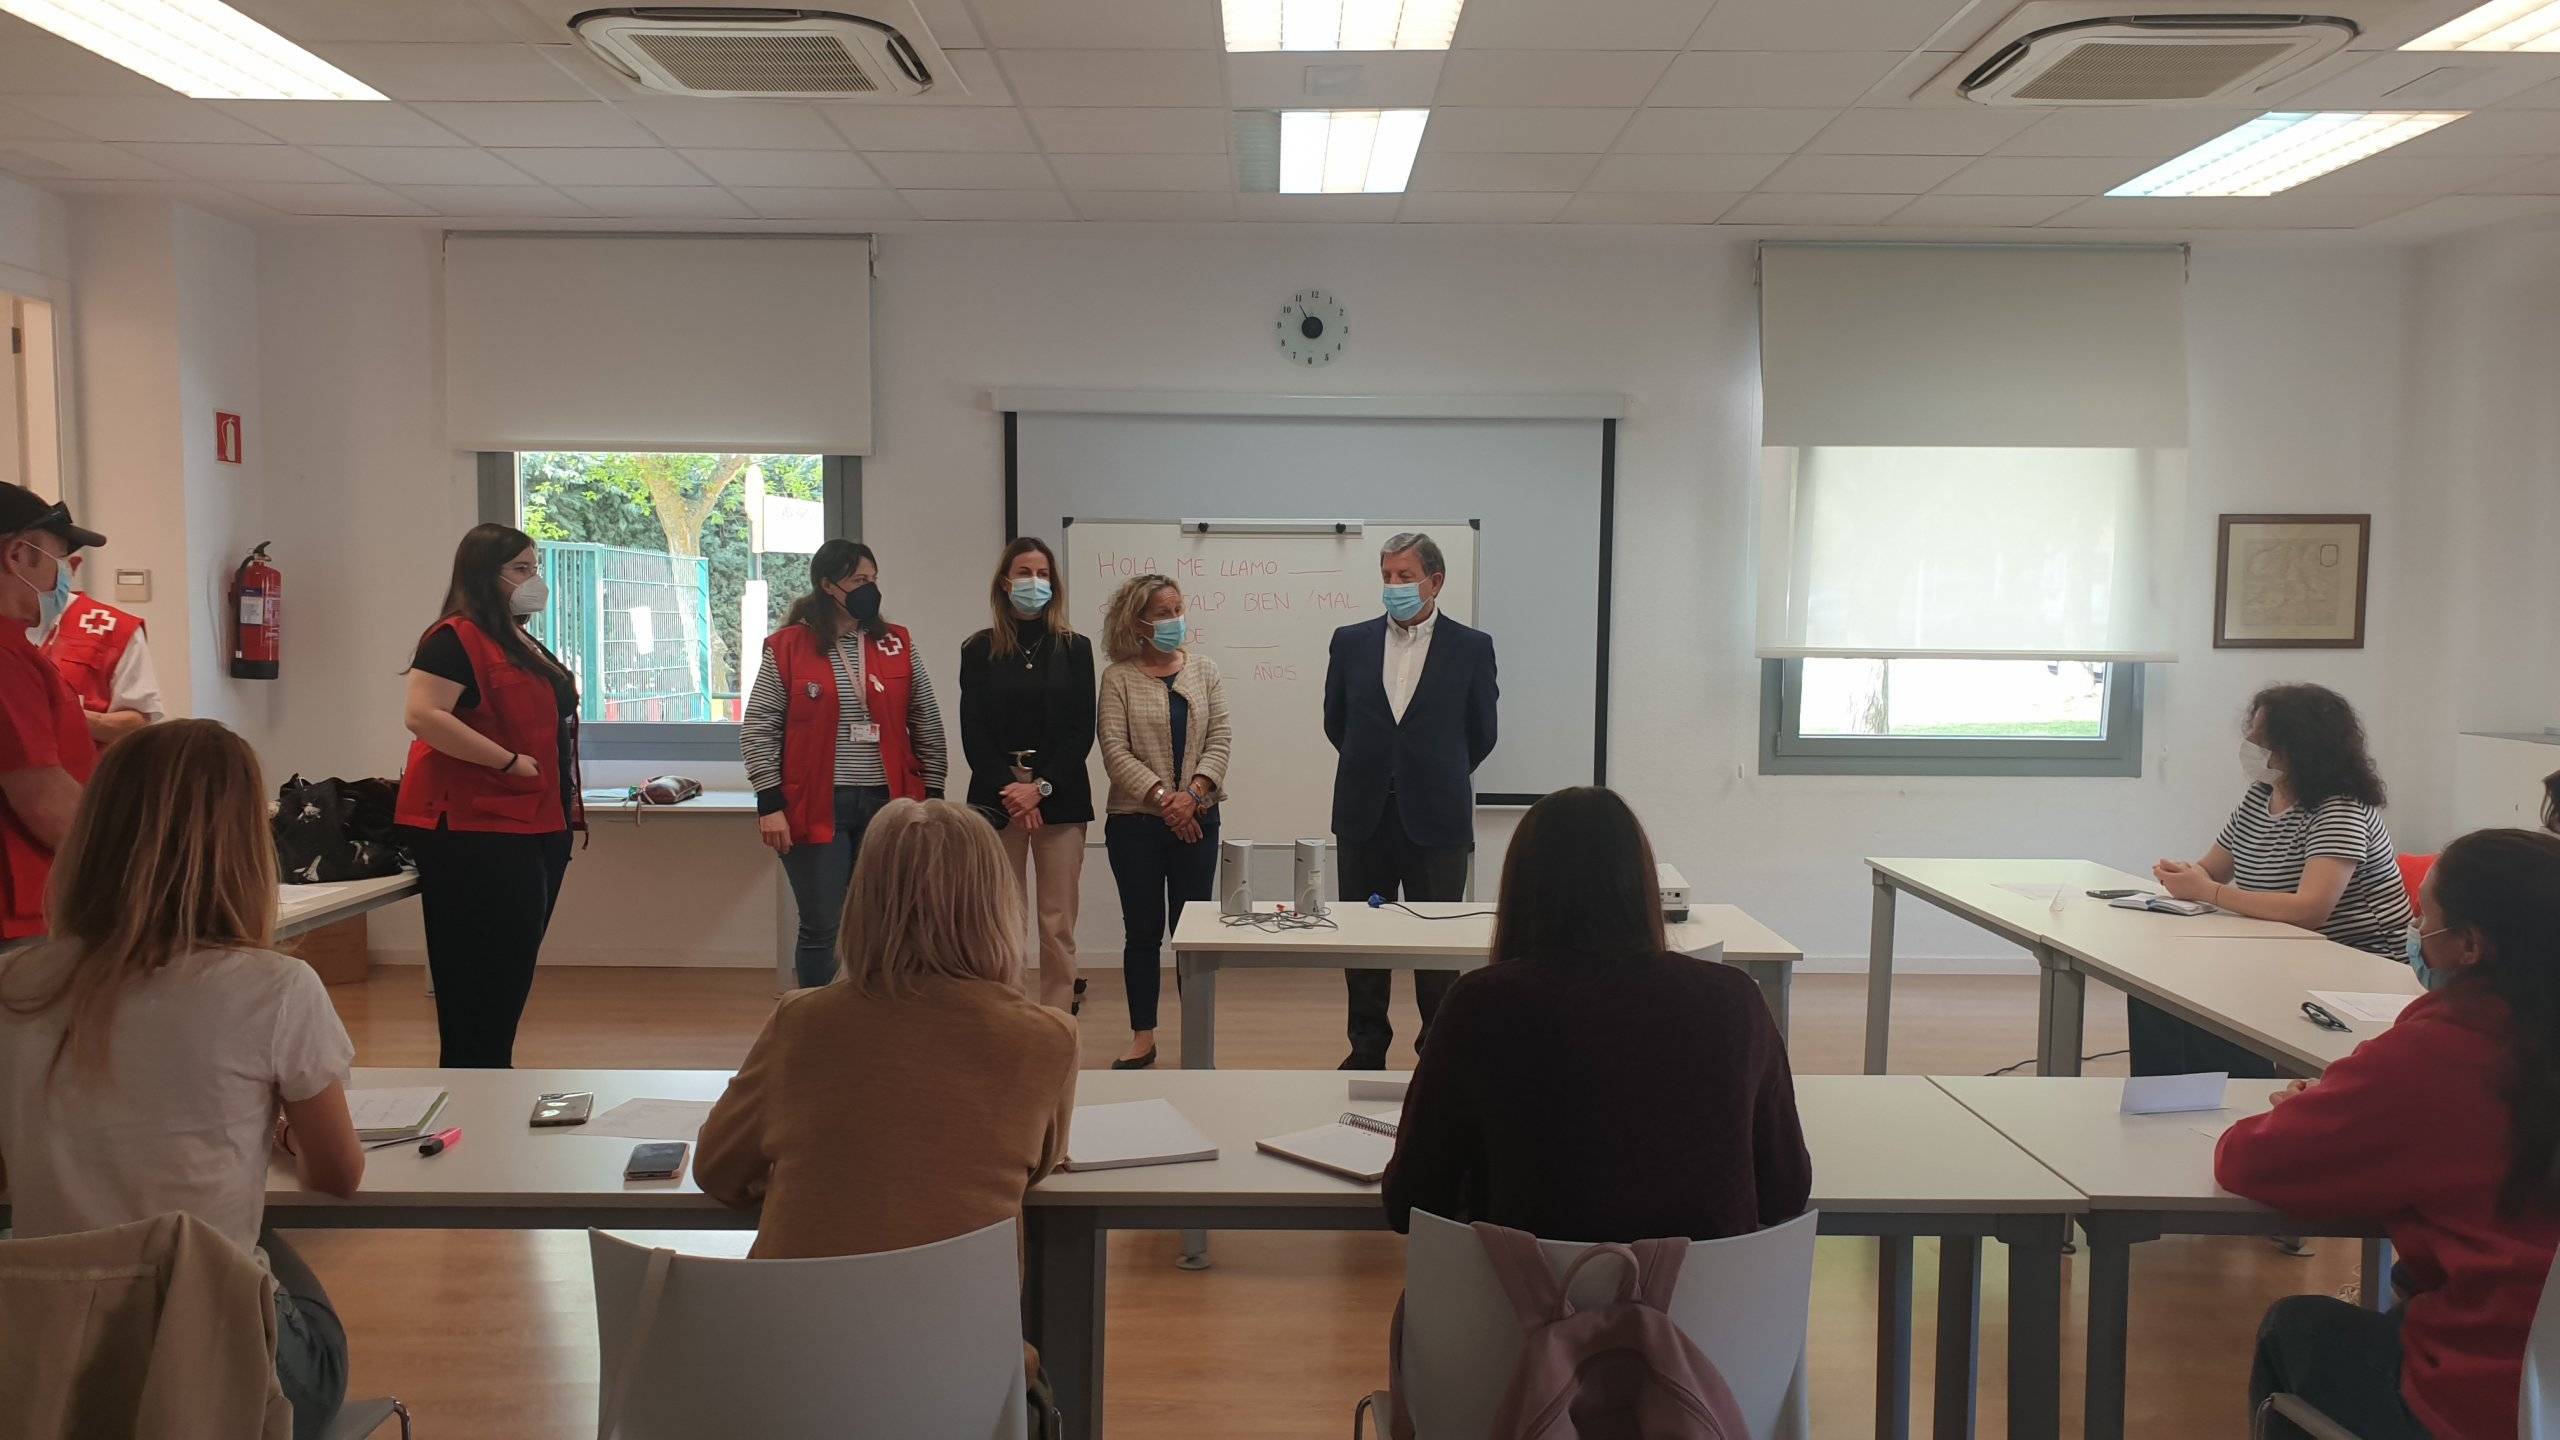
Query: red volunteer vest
[[518, 709], [810, 713], [26, 864], [88, 645]]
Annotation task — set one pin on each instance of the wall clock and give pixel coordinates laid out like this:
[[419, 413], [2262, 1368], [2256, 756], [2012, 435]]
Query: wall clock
[[1310, 329]]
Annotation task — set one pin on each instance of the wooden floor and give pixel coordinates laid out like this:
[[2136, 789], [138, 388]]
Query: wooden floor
[[490, 1335]]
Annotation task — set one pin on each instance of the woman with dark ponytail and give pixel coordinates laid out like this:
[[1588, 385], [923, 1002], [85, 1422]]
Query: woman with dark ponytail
[[2444, 1131]]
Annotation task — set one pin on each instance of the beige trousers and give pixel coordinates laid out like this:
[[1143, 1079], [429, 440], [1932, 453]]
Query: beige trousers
[[1057, 876]]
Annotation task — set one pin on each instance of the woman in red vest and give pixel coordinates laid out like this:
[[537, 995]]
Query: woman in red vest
[[841, 720], [491, 792]]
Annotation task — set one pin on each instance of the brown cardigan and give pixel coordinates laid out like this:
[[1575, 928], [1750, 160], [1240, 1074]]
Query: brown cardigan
[[865, 1124]]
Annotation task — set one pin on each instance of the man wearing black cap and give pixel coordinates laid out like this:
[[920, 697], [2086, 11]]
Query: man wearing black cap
[[45, 750]]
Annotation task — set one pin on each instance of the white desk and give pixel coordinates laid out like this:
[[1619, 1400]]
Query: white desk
[[1392, 939], [609, 807], [2145, 1176], [1893, 1157], [305, 908]]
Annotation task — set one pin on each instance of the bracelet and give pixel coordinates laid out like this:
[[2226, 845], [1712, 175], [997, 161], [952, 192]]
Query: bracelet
[[509, 767]]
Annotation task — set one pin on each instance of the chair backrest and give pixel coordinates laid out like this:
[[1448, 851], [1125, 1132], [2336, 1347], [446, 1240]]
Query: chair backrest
[[925, 1341], [2413, 873], [1743, 1302], [2538, 1398]]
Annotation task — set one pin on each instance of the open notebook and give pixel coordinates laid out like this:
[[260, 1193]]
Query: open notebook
[[1137, 1132], [1352, 1151], [392, 1112]]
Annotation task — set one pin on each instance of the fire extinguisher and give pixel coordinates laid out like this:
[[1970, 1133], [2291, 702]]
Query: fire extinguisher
[[257, 609]]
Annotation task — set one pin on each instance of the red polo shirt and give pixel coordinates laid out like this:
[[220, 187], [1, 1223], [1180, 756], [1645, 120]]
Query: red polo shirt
[[40, 726]]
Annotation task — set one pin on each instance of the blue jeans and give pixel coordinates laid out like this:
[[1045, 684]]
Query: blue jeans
[[820, 874], [311, 1346], [1155, 873]]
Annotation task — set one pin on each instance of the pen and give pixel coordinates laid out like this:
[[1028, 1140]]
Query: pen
[[435, 1144], [2317, 1015]]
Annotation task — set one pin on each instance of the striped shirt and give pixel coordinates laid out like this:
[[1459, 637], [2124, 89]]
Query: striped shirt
[[857, 760], [2268, 852]]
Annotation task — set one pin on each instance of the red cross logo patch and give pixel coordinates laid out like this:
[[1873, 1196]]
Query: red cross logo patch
[[891, 645], [98, 622]]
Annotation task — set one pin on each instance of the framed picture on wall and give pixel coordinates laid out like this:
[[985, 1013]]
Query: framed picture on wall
[[2291, 582]]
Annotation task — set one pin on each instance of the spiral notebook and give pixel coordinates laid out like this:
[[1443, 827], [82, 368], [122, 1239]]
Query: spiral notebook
[[1354, 1152]]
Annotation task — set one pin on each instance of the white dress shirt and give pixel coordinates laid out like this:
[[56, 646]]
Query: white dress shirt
[[1407, 647], [136, 683]]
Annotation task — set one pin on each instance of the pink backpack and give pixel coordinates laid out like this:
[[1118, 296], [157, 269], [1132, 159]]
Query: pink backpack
[[1620, 1371]]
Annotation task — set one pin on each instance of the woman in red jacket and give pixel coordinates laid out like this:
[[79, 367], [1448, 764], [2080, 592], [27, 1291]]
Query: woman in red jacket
[[490, 794], [2444, 1130]]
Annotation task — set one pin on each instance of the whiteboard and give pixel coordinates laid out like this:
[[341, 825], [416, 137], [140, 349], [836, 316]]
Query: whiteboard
[[1264, 607]]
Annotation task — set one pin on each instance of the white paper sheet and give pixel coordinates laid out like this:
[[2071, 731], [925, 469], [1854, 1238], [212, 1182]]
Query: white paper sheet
[[2170, 1094], [1134, 1132], [393, 1109], [647, 1120], [2371, 1007]]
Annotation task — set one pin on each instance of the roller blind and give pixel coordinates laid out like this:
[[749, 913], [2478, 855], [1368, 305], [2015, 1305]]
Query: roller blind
[[658, 342]]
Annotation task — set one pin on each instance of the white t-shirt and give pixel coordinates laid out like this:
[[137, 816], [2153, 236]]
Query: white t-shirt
[[200, 1057]]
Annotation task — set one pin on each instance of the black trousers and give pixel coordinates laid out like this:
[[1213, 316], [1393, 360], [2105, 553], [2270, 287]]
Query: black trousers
[[2163, 1044], [1155, 872], [487, 898], [1388, 864], [2342, 1358]]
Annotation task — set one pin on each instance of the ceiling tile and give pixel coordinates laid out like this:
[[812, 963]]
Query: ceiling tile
[[950, 23], [1115, 78], [1551, 174], [657, 201], [1546, 25], [734, 124], [142, 117], [310, 22], [1458, 207], [958, 127], [2039, 175], [1144, 172], [990, 204], [2419, 176], [1683, 172], [2152, 133], [2145, 212], [494, 200], [913, 171], [1812, 209], [974, 80], [811, 169], [77, 160], [2545, 96], [2454, 214], [797, 203], [280, 164], [1543, 77], [2445, 81], [35, 62], [1748, 78], [1957, 212], [458, 72], [1824, 24], [1523, 129], [17, 124], [1721, 131], [1348, 80], [406, 165], [1334, 209], [2490, 132], [1106, 130], [338, 122], [1861, 174], [1659, 208], [630, 168], [565, 122], [2294, 210], [1086, 24], [331, 199], [1921, 132], [1153, 205], [2542, 179]]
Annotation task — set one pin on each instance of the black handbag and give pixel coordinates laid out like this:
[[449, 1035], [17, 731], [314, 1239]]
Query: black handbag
[[333, 829]]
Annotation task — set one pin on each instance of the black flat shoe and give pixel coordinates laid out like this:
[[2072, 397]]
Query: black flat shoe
[[1142, 1062], [1076, 1006]]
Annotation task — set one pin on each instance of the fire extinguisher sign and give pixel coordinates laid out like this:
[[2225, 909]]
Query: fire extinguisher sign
[[226, 437]]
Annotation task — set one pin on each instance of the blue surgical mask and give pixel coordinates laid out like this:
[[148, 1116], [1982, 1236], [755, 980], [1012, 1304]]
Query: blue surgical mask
[[1403, 602], [2429, 977], [1170, 633], [1030, 595], [52, 603]]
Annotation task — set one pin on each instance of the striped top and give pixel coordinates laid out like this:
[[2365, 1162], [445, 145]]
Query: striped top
[[857, 761], [2268, 852]]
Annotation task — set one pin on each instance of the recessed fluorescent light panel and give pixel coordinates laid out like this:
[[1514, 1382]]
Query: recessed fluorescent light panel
[[1341, 24], [2498, 25], [196, 47], [2279, 151], [1327, 152]]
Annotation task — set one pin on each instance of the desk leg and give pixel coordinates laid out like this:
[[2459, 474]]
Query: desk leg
[[2376, 1288], [2035, 1324], [1893, 1337], [1959, 1336], [1062, 1305], [1776, 980], [1879, 973], [2111, 1241], [2063, 997], [1199, 978]]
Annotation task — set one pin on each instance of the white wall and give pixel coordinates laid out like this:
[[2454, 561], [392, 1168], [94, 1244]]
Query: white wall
[[2303, 400], [35, 240]]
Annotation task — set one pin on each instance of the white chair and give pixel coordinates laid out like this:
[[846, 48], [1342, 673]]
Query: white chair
[[358, 1419], [1743, 1302], [2537, 1398], [921, 1342]]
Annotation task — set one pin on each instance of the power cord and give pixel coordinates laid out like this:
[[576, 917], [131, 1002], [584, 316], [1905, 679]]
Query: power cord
[[1279, 922], [2030, 1060], [1380, 902]]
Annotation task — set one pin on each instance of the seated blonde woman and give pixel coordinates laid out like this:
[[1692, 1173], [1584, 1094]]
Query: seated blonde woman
[[917, 1097]]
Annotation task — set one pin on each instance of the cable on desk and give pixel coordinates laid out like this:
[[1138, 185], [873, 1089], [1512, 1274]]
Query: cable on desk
[[1380, 902], [1279, 923], [2030, 1060]]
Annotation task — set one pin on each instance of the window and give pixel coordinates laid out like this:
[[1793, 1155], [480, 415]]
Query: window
[[1910, 716], [666, 571]]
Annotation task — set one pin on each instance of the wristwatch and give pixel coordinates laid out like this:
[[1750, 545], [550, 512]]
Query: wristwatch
[[1046, 789]]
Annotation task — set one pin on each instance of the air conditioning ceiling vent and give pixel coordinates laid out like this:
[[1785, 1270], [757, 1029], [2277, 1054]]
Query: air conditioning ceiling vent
[[2053, 52], [726, 53]]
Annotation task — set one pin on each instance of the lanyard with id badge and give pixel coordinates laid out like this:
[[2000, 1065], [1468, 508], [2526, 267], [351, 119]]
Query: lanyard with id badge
[[862, 732]]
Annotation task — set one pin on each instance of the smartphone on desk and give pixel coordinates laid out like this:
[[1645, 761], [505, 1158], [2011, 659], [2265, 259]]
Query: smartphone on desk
[[563, 1107], [655, 1161]]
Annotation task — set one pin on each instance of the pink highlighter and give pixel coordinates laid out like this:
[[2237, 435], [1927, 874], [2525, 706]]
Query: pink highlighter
[[435, 1144]]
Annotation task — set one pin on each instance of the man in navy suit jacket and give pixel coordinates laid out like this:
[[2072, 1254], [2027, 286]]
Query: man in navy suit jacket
[[1409, 705]]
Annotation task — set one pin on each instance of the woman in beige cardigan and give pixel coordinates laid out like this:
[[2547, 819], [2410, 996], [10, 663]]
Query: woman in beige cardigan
[[1165, 737]]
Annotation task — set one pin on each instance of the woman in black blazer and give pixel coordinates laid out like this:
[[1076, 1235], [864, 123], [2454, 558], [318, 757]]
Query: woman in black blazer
[[1026, 724]]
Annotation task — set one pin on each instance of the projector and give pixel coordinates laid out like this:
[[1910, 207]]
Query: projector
[[1675, 894]]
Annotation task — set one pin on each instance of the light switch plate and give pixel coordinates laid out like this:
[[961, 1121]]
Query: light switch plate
[[133, 587]]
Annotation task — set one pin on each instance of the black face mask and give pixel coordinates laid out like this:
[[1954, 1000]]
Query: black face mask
[[862, 602]]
